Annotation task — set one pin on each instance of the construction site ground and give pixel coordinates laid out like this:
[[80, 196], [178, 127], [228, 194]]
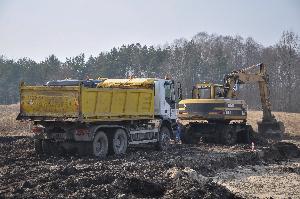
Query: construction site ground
[[204, 170]]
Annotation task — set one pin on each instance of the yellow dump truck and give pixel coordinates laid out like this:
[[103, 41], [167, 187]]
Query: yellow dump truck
[[98, 117]]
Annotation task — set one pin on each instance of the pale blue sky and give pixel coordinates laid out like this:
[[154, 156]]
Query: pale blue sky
[[38, 28]]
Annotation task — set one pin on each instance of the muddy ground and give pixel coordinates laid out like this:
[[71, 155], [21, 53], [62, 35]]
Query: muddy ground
[[198, 171]]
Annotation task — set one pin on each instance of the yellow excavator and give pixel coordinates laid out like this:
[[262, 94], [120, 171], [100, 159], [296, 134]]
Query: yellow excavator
[[215, 114]]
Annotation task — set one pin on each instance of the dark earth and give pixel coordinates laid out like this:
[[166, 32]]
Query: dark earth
[[185, 171]]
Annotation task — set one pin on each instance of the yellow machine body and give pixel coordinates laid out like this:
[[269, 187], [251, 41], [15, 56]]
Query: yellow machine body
[[206, 105], [212, 109]]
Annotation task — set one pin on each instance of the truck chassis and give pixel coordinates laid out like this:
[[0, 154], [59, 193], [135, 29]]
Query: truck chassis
[[101, 138]]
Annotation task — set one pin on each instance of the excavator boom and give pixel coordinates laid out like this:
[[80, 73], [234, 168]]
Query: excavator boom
[[268, 124]]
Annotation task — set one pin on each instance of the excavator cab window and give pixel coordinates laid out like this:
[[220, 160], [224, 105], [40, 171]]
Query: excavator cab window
[[208, 91], [205, 93], [202, 92]]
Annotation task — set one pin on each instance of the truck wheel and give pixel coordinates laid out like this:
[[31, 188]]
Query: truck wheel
[[119, 142], [100, 145], [38, 147], [164, 138]]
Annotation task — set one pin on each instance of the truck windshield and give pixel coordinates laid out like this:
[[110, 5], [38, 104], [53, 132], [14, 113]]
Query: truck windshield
[[168, 93]]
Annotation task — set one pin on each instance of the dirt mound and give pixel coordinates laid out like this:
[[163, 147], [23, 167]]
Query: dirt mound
[[142, 173], [190, 184], [139, 188], [280, 151], [183, 172], [287, 150]]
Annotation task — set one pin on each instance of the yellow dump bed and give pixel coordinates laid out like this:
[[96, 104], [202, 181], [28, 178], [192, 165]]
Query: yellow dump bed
[[105, 103]]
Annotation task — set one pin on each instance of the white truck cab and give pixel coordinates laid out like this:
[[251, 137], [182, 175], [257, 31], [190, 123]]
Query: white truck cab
[[165, 99]]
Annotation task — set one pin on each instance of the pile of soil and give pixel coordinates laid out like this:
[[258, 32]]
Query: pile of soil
[[184, 171]]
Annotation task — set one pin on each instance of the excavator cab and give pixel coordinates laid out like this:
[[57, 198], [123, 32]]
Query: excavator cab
[[209, 104], [207, 91]]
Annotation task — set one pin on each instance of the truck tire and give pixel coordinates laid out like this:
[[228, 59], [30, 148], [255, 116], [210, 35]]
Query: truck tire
[[38, 147], [118, 143], [100, 145], [164, 139]]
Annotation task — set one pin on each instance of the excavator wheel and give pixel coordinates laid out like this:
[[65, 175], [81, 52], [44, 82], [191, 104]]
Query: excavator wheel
[[245, 136], [228, 136], [187, 135]]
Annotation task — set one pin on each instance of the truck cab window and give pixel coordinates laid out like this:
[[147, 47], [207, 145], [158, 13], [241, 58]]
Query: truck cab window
[[168, 93]]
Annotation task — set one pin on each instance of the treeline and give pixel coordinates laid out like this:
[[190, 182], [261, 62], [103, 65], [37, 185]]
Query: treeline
[[206, 57]]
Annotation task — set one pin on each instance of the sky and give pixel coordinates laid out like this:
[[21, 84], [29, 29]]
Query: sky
[[66, 28]]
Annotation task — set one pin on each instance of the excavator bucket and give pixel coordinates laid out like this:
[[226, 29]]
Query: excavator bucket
[[271, 129]]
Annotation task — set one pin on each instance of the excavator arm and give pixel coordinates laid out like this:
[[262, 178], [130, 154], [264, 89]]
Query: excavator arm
[[261, 77]]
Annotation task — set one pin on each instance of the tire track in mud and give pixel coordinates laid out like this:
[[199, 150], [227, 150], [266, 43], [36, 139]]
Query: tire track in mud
[[182, 172]]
